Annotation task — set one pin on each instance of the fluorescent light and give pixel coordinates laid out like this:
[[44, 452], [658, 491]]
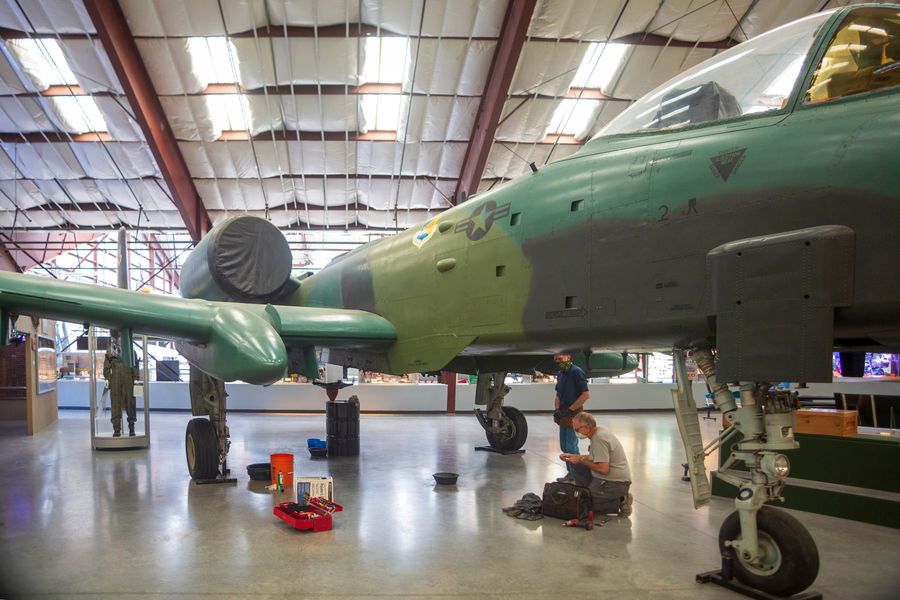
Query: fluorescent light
[[382, 111], [214, 59], [229, 112], [43, 61], [600, 64], [79, 113], [385, 59], [572, 116]]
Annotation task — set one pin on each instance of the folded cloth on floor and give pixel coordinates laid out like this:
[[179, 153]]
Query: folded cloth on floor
[[528, 508]]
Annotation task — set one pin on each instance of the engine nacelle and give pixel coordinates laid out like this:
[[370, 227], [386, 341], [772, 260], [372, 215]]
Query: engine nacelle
[[244, 259]]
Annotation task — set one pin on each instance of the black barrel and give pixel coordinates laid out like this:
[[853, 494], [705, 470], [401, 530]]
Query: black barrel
[[343, 446], [342, 427]]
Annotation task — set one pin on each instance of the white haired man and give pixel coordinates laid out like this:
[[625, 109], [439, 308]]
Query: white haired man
[[604, 469]]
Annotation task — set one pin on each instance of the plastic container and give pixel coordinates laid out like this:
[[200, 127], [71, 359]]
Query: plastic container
[[260, 471], [316, 516], [445, 478], [283, 463]]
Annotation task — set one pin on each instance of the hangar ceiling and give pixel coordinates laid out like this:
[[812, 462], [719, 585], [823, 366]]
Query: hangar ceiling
[[337, 120]]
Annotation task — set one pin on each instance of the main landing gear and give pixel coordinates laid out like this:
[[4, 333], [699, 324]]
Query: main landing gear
[[505, 426], [206, 440], [767, 550]]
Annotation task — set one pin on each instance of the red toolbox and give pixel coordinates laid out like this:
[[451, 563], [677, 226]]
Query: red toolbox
[[316, 515]]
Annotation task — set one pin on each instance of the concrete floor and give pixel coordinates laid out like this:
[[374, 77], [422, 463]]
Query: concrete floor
[[115, 524]]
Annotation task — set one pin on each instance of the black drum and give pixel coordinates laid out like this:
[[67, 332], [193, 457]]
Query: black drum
[[342, 427]]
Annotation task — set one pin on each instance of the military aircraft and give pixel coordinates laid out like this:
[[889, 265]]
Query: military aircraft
[[739, 212]]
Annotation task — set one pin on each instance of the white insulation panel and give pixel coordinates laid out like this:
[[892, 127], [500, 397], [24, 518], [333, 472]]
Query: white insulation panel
[[547, 67], [45, 16], [449, 66]]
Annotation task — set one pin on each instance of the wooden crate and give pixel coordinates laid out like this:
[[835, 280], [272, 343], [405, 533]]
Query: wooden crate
[[827, 421]]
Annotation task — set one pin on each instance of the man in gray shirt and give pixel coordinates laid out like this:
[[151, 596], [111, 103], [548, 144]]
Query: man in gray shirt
[[604, 470]]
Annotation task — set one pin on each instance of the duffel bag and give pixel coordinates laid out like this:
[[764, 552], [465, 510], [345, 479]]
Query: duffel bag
[[566, 501]]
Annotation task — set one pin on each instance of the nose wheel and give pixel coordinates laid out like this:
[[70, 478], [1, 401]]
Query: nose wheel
[[787, 561]]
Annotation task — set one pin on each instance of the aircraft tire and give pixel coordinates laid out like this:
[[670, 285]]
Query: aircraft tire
[[853, 364], [517, 434], [202, 449], [792, 556]]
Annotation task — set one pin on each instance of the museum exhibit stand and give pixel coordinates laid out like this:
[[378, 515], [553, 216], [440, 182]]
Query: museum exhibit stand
[[100, 401]]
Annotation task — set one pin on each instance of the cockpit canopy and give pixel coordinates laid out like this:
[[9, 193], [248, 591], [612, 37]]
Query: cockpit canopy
[[760, 75]]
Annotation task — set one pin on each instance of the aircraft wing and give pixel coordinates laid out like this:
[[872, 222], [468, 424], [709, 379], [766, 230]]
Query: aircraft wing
[[231, 341]]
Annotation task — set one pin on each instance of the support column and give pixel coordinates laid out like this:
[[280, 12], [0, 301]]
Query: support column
[[449, 379]]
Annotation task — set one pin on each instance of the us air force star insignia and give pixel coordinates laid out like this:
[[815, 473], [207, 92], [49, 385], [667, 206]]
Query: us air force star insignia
[[482, 219]]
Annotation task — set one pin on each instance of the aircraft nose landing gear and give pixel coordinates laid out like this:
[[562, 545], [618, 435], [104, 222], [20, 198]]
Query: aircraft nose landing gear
[[767, 551], [505, 426]]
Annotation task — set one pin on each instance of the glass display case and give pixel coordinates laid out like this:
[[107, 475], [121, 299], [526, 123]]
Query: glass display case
[[134, 418]]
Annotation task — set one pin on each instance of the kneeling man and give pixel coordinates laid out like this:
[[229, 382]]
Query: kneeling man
[[604, 469]]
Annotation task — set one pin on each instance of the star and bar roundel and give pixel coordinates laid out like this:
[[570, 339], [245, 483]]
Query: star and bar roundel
[[482, 219]]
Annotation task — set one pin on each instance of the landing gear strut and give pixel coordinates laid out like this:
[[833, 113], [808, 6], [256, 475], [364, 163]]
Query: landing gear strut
[[206, 439], [505, 427], [767, 550]]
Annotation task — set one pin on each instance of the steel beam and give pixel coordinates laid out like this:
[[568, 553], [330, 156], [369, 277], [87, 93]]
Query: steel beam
[[109, 21], [156, 248], [7, 257], [496, 88]]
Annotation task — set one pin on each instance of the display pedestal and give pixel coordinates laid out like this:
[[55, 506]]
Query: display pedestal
[[102, 437], [498, 451], [724, 577]]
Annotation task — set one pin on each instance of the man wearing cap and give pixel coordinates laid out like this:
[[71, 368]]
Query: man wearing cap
[[604, 469], [571, 394]]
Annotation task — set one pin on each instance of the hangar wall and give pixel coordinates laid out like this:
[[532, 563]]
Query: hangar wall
[[383, 397]]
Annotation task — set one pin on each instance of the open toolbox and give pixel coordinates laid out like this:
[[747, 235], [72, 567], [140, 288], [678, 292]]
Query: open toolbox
[[316, 515]]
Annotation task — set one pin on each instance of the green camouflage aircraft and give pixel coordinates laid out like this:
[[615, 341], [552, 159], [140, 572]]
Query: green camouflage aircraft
[[740, 212]]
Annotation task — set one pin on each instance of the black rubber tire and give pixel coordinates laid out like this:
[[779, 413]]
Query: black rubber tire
[[799, 557], [201, 447], [517, 435], [853, 364]]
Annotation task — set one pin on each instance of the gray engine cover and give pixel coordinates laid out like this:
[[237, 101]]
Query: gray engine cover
[[774, 297]]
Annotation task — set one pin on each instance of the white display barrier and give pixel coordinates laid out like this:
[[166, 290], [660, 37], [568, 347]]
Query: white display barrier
[[383, 397]]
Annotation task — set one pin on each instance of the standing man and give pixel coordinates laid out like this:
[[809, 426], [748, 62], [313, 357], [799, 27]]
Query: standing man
[[120, 381], [604, 469], [571, 394]]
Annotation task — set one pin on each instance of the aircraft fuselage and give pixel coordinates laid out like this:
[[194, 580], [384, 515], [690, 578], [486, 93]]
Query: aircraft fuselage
[[609, 248]]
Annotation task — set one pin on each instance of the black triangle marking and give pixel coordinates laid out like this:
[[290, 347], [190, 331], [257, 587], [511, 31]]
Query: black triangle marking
[[726, 163]]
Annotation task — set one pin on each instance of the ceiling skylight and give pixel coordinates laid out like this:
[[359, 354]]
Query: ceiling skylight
[[214, 59], [572, 116], [43, 61], [229, 112], [79, 113], [382, 111], [385, 59], [600, 64]]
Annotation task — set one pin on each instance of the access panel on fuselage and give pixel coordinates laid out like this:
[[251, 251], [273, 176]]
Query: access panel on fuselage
[[619, 187]]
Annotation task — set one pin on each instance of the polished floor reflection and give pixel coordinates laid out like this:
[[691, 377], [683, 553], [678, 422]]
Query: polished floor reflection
[[112, 524]]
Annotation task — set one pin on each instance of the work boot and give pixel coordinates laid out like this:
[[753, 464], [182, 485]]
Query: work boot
[[626, 508], [131, 429], [117, 432]]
